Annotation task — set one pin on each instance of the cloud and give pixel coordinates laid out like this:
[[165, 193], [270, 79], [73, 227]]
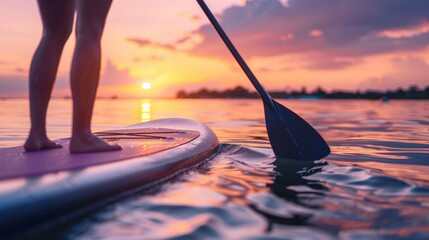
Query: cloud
[[178, 45], [191, 17], [20, 70], [404, 73], [327, 64], [13, 86], [112, 75], [326, 29], [145, 42], [152, 57]]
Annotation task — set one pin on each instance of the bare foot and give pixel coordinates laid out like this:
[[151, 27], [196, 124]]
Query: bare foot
[[90, 143], [36, 143]]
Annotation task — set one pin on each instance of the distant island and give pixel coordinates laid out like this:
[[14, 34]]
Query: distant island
[[413, 92]]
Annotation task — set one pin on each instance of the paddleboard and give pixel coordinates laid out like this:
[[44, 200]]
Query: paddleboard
[[36, 187]]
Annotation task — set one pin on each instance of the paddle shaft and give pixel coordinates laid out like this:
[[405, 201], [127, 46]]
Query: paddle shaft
[[264, 95], [294, 138]]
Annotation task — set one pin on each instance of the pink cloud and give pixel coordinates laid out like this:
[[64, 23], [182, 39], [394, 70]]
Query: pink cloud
[[406, 72], [315, 33], [112, 75], [146, 42], [325, 29]]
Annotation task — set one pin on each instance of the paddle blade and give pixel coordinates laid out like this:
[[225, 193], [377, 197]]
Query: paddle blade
[[291, 137]]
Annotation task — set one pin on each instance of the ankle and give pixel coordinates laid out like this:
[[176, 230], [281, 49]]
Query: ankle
[[38, 133], [81, 133]]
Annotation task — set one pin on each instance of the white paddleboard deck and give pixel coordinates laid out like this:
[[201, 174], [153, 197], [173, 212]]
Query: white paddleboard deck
[[41, 185]]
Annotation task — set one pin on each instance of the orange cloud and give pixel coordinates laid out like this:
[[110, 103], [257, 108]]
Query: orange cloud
[[315, 33], [405, 32], [145, 43], [191, 17], [404, 73], [287, 43]]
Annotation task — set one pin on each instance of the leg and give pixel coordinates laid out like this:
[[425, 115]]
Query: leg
[[57, 18], [85, 73]]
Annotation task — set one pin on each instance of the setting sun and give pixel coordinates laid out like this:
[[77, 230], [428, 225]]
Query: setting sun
[[146, 85]]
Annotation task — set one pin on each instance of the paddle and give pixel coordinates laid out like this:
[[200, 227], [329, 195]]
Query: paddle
[[290, 136]]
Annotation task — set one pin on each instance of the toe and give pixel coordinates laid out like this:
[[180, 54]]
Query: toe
[[52, 145], [115, 147]]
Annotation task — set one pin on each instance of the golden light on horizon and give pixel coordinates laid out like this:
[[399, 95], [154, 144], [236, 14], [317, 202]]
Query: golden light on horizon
[[146, 85], [146, 110], [172, 52]]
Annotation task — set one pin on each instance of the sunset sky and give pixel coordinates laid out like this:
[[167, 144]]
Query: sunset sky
[[335, 44]]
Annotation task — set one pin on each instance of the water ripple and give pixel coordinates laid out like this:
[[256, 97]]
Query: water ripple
[[374, 185]]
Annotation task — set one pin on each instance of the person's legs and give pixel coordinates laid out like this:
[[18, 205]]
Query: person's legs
[[85, 71], [57, 17]]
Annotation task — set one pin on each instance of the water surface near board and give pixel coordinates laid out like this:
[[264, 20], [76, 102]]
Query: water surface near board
[[374, 185]]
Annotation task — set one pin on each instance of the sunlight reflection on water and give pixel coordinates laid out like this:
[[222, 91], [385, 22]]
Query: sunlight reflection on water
[[375, 184]]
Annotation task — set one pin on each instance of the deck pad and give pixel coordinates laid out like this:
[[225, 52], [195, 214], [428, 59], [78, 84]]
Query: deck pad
[[15, 162]]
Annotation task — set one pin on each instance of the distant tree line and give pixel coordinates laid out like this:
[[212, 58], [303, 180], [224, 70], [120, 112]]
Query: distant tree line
[[413, 92]]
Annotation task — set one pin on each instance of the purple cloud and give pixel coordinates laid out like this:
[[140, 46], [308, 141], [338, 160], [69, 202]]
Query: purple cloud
[[145, 42], [175, 46], [2, 62], [13, 86], [326, 29]]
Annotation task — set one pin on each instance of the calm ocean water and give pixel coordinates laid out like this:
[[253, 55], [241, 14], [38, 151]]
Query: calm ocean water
[[374, 185]]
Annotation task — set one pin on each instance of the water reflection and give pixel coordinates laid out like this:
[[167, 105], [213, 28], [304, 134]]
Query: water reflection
[[373, 185], [294, 194], [146, 110], [290, 173]]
